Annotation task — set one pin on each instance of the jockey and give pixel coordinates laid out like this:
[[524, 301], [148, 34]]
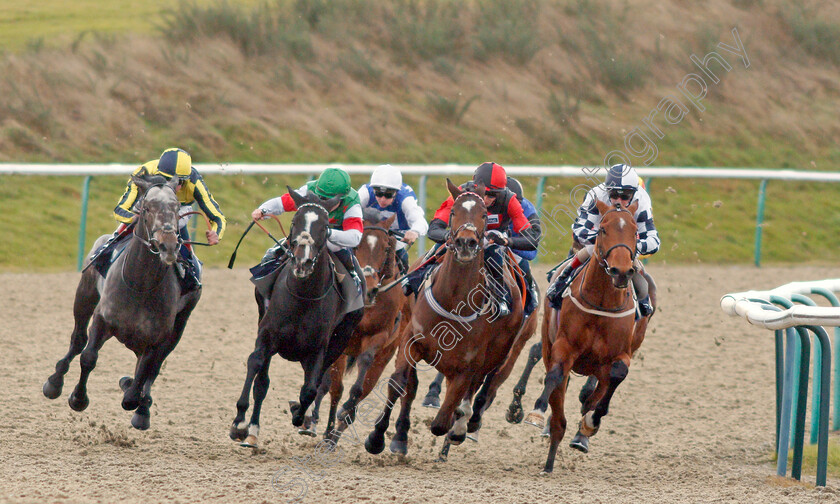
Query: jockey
[[622, 186], [503, 212], [191, 189], [525, 257], [387, 195], [346, 224]]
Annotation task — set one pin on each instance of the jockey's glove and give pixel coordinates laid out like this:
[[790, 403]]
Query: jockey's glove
[[496, 236]]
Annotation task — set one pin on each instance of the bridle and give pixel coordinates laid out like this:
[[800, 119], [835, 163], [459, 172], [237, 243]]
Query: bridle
[[315, 257], [150, 241], [468, 226], [368, 270], [602, 257]]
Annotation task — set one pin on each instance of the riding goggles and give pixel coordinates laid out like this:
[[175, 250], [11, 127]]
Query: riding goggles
[[384, 193], [622, 194]]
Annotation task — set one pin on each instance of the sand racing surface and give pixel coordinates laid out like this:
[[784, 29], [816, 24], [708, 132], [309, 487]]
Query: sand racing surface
[[693, 422]]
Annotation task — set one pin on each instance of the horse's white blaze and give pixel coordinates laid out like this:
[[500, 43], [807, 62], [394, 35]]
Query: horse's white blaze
[[305, 238], [372, 241], [621, 223], [468, 205]]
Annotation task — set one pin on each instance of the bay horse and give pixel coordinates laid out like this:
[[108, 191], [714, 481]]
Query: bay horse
[[304, 321], [375, 340], [455, 327], [595, 332], [139, 302]]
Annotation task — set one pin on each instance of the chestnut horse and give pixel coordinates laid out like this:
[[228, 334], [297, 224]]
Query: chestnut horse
[[595, 332], [455, 327], [375, 339]]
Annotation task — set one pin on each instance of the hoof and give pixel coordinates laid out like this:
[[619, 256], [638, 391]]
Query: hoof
[[308, 431], [250, 442], [431, 401], [514, 414], [51, 391], [473, 436], [238, 433], [546, 432], [78, 404], [456, 439], [125, 382], [375, 443], [545, 473], [580, 442], [140, 422], [536, 418], [399, 447]]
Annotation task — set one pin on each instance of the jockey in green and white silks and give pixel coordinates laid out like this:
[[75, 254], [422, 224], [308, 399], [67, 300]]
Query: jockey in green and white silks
[[345, 220]]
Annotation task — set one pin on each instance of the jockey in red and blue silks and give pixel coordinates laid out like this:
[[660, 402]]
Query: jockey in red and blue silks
[[504, 212], [524, 257], [387, 195]]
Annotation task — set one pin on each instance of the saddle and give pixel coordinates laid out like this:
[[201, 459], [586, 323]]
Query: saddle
[[102, 258]]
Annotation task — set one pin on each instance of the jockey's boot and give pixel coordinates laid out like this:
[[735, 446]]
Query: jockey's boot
[[348, 260], [402, 261], [554, 294], [504, 308], [645, 308]]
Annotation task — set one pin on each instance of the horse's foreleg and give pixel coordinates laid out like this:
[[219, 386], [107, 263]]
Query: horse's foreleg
[[261, 382], [86, 300], [553, 380], [591, 421], [310, 420], [432, 399], [396, 385], [313, 370], [557, 426], [399, 444], [79, 399], [239, 429], [586, 393], [363, 363], [336, 390], [456, 389], [371, 379], [515, 414]]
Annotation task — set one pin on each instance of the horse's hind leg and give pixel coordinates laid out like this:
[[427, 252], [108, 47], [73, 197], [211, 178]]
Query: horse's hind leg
[[432, 399], [85, 302], [586, 392], [79, 399], [336, 385], [256, 361], [591, 421], [310, 420], [515, 414], [313, 370]]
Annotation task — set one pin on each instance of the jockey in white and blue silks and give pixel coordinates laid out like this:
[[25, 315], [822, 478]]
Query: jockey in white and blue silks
[[388, 195]]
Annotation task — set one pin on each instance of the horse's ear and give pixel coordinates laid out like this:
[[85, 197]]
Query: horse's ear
[[389, 221], [602, 207], [632, 208], [139, 180], [297, 198], [332, 203], [173, 183], [454, 190]]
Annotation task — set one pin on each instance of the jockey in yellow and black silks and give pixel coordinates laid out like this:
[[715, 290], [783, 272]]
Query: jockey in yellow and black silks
[[192, 189]]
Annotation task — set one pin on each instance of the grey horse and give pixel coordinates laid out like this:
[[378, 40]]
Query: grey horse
[[139, 302]]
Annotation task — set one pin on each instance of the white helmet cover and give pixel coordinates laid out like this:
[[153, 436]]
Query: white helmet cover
[[622, 176], [386, 176]]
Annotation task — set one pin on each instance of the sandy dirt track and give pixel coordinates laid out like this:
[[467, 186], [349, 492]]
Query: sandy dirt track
[[692, 423]]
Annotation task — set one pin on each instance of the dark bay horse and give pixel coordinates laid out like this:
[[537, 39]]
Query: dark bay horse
[[305, 320], [595, 332], [455, 327], [139, 303], [375, 340]]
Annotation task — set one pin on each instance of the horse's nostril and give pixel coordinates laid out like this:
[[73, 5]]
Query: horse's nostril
[[631, 272], [613, 271]]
